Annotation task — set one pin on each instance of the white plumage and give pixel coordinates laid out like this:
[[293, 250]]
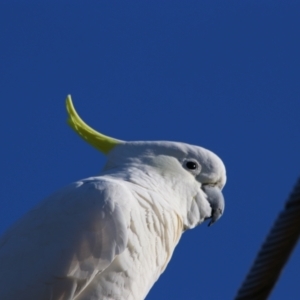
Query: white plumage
[[111, 236]]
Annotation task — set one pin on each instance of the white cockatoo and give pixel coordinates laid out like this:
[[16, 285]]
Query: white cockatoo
[[112, 235]]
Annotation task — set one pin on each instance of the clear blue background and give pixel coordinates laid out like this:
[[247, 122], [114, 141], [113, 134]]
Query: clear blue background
[[220, 74]]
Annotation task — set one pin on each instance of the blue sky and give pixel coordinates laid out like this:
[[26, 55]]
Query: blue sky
[[220, 74]]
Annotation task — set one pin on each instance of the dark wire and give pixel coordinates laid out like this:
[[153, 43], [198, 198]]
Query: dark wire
[[274, 252]]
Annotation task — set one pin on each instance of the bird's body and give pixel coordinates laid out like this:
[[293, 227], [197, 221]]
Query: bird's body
[[111, 236], [59, 269]]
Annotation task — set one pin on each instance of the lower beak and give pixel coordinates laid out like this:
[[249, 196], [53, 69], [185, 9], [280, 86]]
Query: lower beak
[[216, 201]]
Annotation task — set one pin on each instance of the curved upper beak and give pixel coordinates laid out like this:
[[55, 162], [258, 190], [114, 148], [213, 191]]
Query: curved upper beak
[[216, 200]]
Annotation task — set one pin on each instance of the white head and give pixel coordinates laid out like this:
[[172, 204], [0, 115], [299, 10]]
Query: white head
[[192, 176]]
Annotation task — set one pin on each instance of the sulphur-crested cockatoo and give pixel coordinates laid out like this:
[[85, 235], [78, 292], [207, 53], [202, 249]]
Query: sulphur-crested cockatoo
[[112, 235]]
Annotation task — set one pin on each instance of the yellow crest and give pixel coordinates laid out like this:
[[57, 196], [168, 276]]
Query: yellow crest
[[98, 140]]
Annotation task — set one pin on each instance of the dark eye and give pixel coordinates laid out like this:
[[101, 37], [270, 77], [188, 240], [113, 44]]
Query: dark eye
[[191, 165]]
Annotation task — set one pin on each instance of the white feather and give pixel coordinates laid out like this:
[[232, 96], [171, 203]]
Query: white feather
[[109, 237]]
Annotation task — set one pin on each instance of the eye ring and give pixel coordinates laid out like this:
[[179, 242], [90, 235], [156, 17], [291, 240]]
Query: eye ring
[[192, 165]]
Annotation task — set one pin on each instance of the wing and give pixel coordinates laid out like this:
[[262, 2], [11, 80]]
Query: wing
[[58, 247]]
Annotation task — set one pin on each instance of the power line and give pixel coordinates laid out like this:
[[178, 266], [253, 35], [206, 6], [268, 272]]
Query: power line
[[274, 252]]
